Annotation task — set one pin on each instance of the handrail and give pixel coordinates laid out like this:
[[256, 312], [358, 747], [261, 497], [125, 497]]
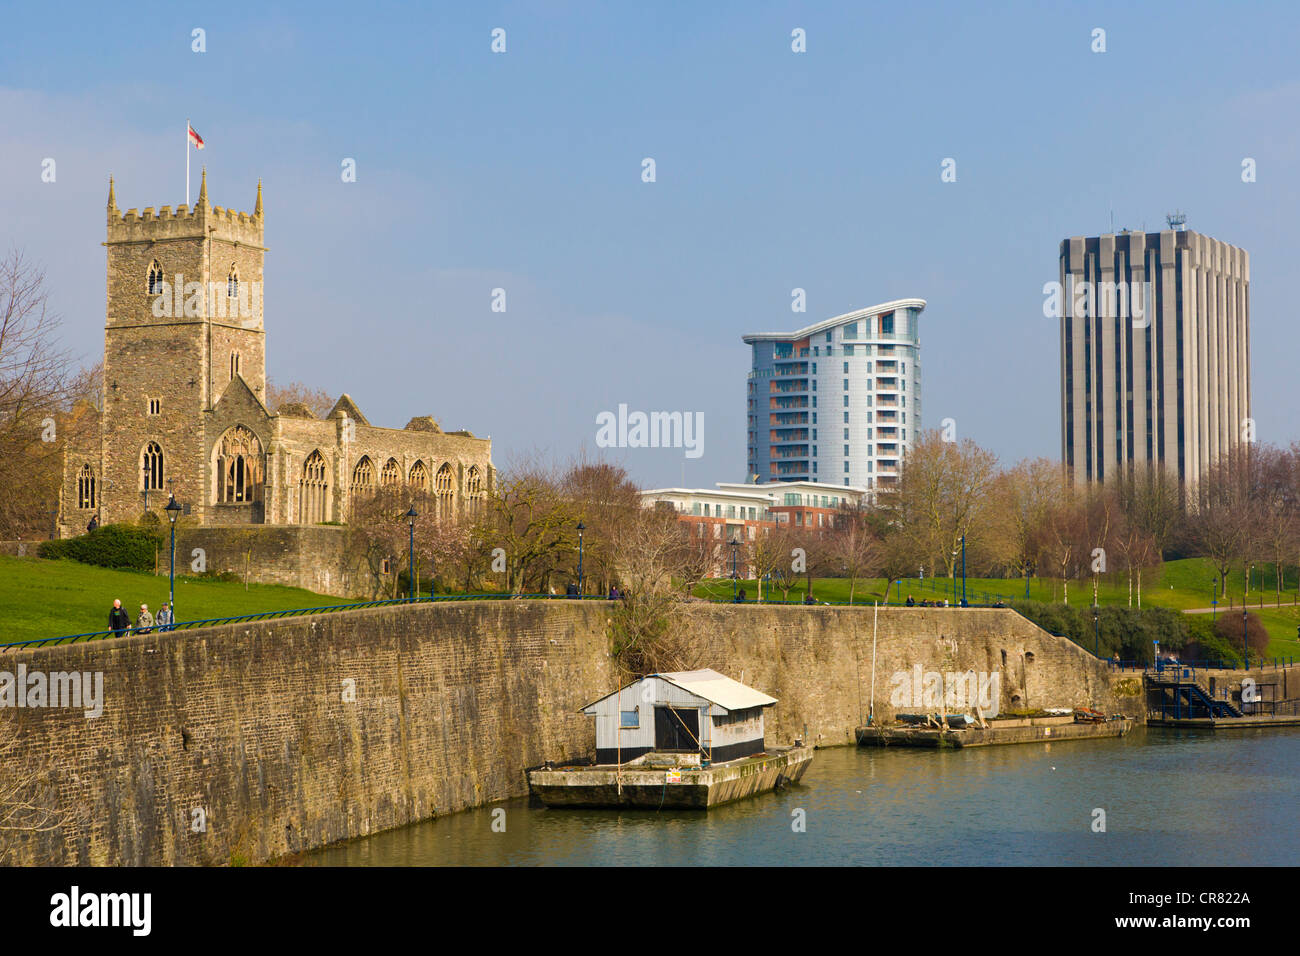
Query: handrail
[[898, 602]]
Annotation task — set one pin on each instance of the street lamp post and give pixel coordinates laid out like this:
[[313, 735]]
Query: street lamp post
[[1214, 605], [963, 572], [1245, 637], [1096, 630], [410, 554], [581, 528], [735, 545], [173, 509]]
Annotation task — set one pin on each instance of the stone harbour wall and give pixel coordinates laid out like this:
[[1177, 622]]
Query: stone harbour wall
[[245, 742]]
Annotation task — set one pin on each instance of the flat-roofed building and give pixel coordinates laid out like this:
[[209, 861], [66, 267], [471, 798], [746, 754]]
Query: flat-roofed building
[[1155, 353]]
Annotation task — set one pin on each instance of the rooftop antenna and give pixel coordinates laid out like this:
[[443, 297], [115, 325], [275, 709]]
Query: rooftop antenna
[[1111, 207], [1177, 220]]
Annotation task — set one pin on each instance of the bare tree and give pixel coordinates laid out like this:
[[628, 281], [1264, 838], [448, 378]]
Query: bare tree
[[1026, 496], [940, 498], [606, 502], [645, 628], [533, 523], [316, 400], [853, 547], [1224, 525], [27, 794], [1067, 529], [34, 391]]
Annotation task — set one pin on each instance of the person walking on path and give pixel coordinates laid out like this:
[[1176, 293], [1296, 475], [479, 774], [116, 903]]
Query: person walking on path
[[144, 623], [164, 617], [118, 620]]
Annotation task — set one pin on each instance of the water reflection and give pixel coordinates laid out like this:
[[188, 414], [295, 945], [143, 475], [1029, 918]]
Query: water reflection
[[1164, 793]]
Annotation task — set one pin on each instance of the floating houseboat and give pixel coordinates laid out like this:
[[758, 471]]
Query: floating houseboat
[[679, 740]]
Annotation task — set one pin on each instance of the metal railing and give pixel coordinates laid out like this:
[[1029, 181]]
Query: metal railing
[[288, 613]]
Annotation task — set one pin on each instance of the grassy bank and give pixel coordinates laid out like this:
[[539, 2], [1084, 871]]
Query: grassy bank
[[52, 598]]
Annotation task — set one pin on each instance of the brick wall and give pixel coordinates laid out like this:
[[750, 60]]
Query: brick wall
[[452, 703]]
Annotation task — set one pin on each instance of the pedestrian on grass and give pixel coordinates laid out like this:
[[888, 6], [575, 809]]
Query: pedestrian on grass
[[118, 620]]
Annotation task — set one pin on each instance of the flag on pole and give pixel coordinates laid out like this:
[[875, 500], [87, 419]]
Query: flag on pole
[[195, 138]]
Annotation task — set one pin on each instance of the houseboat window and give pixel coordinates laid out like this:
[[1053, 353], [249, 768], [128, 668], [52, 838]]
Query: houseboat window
[[631, 718]]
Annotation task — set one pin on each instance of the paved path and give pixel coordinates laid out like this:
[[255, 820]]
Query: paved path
[[1224, 609]]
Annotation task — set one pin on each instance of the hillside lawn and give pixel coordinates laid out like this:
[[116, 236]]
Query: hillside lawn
[[1180, 585], [53, 598]]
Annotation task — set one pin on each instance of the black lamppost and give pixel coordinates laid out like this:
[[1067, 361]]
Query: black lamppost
[[1214, 605], [735, 545], [1245, 636], [1096, 630], [410, 555], [173, 509], [963, 572], [581, 528]]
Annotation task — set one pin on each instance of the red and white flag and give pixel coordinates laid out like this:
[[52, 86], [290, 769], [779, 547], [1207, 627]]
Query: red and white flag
[[195, 138]]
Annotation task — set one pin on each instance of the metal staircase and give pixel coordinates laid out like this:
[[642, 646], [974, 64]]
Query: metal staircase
[[1182, 695]]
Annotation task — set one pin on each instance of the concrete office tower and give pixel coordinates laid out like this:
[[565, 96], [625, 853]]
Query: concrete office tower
[[1155, 352], [860, 373]]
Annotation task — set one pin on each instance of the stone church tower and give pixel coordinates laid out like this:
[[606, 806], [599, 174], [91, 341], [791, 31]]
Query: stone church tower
[[185, 413], [184, 320]]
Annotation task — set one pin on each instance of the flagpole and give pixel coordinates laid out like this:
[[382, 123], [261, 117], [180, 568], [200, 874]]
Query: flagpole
[[187, 163]]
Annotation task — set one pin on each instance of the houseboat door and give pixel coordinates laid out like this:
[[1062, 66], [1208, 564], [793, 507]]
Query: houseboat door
[[677, 729]]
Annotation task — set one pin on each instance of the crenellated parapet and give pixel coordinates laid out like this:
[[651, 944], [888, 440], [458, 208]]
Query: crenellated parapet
[[201, 220]]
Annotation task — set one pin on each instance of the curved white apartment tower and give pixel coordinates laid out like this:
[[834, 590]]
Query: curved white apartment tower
[[838, 402]]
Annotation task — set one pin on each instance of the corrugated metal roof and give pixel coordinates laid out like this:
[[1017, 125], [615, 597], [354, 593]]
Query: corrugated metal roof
[[717, 689]]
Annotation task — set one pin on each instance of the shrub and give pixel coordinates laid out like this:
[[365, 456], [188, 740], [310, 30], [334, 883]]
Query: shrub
[[1205, 644], [1228, 629], [121, 546], [1121, 632]]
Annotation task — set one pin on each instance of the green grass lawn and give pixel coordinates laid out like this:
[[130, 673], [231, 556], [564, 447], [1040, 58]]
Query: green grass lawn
[[1178, 585], [53, 598]]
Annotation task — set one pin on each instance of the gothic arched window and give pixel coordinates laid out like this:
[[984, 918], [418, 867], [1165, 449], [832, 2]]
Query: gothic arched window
[[313, 490], [241, 467], [419, 478], [152, 462], [363, 477], [86, 487], [442, 484], [473, 490], [391, 476], [155, 277], [232, 282]]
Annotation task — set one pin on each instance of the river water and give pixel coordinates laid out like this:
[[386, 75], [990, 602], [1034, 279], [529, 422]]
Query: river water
[[1171, 798]]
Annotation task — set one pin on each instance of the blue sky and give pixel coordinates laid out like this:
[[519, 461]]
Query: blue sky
[[775, 170]]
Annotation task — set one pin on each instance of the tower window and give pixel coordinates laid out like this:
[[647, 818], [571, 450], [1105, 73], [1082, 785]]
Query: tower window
[[155, 278], [155, 406], [86, 487], [232, 283], [234, 365], [152, 467]]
